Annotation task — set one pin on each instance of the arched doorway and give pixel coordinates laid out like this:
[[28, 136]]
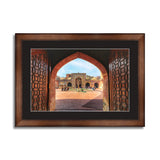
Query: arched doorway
[[52, 101], [78, 82], [96, 85], [87, 85], [69, 84]]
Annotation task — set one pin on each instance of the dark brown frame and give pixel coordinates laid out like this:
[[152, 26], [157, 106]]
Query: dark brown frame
[[141, 80]]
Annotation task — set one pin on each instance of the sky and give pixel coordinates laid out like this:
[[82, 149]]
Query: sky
[[79, 65]]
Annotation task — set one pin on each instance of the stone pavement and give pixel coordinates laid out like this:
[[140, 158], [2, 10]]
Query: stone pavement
[[79, 101]]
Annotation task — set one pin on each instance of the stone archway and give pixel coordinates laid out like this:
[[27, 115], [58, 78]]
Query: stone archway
[[78, 82], [96, 85], [69, 84], [52, 92], [87, 85]]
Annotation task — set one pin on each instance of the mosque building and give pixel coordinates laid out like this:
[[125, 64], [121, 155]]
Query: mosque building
[[79, 80]]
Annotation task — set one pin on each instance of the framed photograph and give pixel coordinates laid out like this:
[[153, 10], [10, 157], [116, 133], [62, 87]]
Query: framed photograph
[[86, 80]]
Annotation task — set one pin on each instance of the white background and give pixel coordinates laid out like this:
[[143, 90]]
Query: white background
[[84, 16]]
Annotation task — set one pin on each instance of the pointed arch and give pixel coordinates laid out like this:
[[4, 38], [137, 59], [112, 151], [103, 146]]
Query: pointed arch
[[83, 56]]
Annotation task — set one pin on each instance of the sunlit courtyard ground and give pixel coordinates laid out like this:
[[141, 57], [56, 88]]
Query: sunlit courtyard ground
[[77, 100]]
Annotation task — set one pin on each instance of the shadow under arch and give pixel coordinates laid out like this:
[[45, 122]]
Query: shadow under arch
[[52, 92]]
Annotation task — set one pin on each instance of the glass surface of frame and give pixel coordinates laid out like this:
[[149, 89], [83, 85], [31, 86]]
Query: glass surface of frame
[[81, 83]]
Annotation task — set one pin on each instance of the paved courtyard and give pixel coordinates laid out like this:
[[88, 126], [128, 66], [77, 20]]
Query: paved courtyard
[[79, 101]]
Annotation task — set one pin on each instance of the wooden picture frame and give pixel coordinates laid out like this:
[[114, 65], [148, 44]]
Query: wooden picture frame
[[114, 38]]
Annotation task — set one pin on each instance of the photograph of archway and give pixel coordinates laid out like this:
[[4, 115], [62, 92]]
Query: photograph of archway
[[80, 80], [76, 90]]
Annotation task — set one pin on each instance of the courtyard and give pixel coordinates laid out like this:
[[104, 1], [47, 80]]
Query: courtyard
[[77, 100]]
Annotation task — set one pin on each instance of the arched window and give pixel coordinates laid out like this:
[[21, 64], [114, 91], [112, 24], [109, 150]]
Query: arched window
[[96, 85], [69, 84], [87, 85]]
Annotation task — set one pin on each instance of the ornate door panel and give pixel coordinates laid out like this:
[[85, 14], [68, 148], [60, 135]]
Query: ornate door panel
[[119, 80], [39, 80]]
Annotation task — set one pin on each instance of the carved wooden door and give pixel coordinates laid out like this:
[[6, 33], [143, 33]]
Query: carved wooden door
[[119, 80], [39, 80]]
